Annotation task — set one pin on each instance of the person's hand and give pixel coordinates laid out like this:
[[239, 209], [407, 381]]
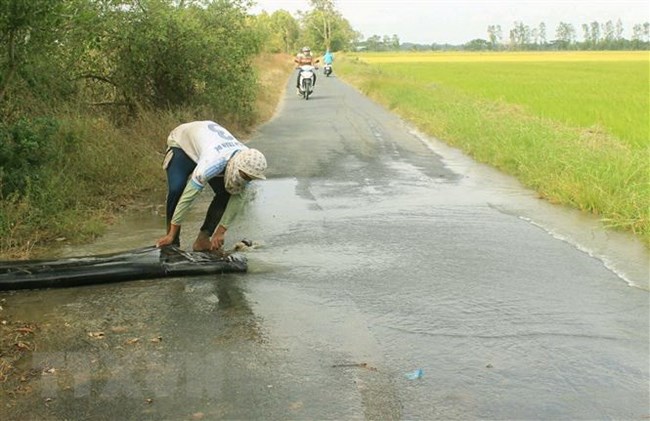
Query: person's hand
[[165, 241], [217, 241]]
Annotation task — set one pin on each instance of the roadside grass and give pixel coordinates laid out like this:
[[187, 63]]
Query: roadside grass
[[98, 171], [525, 114], [102, 171], [273, 71]]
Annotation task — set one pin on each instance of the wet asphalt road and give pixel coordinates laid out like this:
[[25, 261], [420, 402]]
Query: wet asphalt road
[[382, 252]]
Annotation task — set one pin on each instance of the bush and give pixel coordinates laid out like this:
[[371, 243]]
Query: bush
[[26, 149]]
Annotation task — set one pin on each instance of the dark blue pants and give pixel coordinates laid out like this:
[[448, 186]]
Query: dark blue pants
[[178, 172]]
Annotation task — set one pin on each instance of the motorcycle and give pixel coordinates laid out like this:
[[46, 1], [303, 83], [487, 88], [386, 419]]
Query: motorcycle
[[327, 70], [306, 81]]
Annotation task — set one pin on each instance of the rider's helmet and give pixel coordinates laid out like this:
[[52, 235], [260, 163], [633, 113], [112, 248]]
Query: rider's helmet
[[306, 50]]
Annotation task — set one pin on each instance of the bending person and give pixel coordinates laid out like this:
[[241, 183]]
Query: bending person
[[200, 153]]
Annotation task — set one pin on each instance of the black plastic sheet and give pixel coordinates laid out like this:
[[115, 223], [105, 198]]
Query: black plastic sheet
[[143, 263]]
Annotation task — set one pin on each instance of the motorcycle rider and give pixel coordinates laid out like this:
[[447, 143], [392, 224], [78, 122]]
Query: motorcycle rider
[[328, 58], [304, 58]]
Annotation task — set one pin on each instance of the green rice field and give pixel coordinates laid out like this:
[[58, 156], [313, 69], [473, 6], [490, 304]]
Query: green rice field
[[574, 126]]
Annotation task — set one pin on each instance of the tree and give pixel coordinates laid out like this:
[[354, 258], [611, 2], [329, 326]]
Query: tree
[[641, 35], [587, 35], [609, 34], [394, 42], [325, 28], [595, 33], [477, 44], [286, 28], [167, 54], [541, 33], [534, 36], [619, 30], [565, 35], [390, 43], [278, 32], [494, 36], [519, 36], [31, 35], [373, 43]]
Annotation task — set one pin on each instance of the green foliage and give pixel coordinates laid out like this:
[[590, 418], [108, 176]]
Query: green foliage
[[377, 43], [324, 27], [159, 56], [26, 150], [30, 69], [277, 33], [126, 56], [59, 176]]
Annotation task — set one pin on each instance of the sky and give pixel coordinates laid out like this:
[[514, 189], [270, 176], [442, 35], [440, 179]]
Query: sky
[[460, 21]]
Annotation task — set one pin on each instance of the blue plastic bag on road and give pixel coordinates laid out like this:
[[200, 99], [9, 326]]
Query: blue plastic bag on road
[[415, 374]]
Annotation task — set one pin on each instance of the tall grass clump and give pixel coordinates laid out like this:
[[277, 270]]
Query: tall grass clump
[[567, 157], [71, 176]]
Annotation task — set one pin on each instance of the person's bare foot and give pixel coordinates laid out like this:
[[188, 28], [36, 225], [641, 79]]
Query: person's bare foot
[[202, 242]]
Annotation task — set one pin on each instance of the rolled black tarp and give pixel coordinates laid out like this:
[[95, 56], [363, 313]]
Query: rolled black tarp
[[142, 263]]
